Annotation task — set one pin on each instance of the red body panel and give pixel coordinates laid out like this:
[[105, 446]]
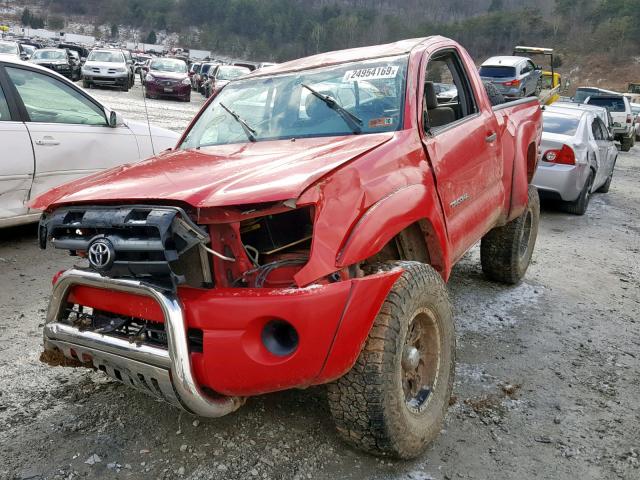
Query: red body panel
[[332, 322], [364, 190]]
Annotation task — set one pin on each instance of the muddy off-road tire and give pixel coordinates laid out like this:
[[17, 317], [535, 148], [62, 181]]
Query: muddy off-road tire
[[394, 399], [505, 252], [579, 206]]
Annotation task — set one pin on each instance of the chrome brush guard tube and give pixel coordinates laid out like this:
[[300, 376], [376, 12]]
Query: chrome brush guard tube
[[164, 373]]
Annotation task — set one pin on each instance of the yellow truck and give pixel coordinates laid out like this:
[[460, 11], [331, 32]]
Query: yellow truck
[[550, 79]]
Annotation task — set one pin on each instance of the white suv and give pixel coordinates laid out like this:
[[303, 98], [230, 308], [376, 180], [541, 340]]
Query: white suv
[[106, 67], [623, 121]]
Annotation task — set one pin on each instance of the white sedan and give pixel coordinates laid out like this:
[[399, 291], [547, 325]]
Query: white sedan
[[578, 157], [52, 132]]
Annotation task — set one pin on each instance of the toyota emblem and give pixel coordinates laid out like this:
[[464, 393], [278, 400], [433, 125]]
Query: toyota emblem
[[101, 254]]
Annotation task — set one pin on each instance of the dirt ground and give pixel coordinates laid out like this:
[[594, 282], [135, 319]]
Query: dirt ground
[[547, 377]]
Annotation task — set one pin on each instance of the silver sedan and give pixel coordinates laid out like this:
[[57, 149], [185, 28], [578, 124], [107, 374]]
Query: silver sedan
[[578, 158]]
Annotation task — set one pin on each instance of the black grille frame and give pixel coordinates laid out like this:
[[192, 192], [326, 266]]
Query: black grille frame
[[160, 245]]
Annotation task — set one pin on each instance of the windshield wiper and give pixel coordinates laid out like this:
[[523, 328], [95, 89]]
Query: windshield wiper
[[354, 122], [251, 133]]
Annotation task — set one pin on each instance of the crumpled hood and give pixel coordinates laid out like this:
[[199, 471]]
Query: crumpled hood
[[220, 175]]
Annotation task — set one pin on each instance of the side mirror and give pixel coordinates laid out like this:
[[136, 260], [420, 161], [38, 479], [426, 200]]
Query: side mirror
[[115, 119]]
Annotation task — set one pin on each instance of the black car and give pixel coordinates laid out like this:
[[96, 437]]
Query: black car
[[59, 60]]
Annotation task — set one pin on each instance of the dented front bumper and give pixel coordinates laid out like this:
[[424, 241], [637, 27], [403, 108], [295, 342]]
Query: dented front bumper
[[331, 321]]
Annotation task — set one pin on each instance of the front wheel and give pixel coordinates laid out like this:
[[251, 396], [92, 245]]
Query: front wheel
[[505, 252], [394, 399]]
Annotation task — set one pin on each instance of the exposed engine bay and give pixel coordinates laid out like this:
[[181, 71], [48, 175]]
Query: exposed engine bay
[[250, 247]]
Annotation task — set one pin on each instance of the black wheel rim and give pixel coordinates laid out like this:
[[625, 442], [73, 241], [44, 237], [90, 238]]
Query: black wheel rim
[[420, 361]]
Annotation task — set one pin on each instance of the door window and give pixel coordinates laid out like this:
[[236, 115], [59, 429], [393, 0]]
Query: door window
[[49, 100], [528, 67], [448, 97], [598, 134], [5, 115]]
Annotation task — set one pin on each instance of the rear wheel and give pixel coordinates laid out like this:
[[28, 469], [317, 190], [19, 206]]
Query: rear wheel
[[505, 252], [394, 399], [626, 144], [85, 84], [579, 206]]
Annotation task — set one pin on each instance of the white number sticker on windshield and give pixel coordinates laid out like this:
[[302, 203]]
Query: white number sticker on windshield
[[373, 73]]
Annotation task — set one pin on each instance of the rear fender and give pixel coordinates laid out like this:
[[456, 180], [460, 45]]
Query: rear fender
[[524, 167], [388, 217]]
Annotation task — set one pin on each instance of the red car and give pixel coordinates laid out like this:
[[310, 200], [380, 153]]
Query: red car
[[301, 233], [167, 77]]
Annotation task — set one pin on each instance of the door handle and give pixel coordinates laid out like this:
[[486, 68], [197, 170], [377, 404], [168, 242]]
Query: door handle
[[47, 140], [491, 137]]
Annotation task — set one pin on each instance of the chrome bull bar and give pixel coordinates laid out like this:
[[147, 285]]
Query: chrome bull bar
[[164, 373]]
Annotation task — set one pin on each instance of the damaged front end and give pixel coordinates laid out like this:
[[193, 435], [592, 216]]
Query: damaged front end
[[203, 308]]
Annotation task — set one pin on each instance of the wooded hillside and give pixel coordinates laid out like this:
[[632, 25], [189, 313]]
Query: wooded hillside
[[283, 29]]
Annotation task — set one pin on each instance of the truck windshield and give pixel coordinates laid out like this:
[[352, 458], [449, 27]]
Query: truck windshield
[[284, 106], [613, 104], [497, 72], [560, 124], [547, 81]]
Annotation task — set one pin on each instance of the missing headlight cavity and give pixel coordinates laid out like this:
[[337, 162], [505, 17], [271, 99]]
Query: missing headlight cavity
[[278, 232]]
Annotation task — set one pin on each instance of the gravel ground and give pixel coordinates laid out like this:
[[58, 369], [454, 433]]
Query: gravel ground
[[547, 377]]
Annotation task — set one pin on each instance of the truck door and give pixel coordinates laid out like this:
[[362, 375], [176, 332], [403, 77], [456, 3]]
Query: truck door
[[69, 131], [461, 142], [16, 162]]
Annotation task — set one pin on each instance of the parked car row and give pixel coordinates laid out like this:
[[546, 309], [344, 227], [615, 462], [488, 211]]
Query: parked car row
[[208, 78]]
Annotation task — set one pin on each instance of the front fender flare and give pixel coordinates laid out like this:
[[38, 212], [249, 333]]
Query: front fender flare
[[388, 217]]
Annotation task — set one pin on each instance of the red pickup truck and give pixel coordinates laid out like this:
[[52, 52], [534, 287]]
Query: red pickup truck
[[301, 233]]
